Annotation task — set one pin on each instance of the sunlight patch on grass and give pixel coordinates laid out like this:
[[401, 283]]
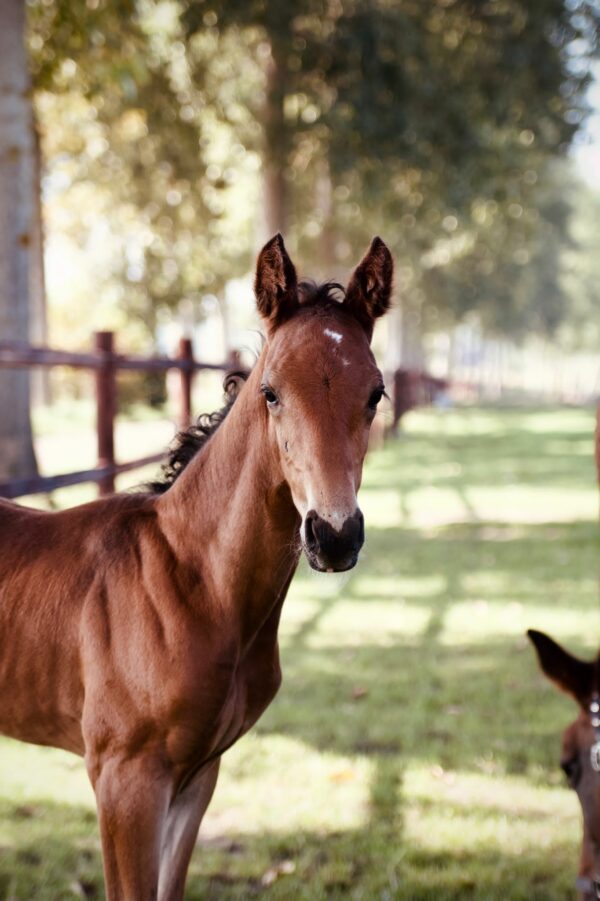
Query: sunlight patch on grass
[[514, 796], [376, 622], [29, 773], [381, 507], [532, 504], [324, 792], [481, 619], [428, 506], [368, 587], [298, 614], [501, 585], [486, 821]]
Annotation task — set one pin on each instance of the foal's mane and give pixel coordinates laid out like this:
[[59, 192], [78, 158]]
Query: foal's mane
[[190, 441]]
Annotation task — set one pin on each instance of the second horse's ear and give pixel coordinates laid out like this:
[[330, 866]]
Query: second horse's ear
[[275, 284], [568, 672], [369, 290]]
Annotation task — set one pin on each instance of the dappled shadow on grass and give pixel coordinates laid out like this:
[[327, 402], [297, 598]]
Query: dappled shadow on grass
[[375, 862], [53, 854], [471, 448], [459, 685], [480, 707], [491, 462], [455, 690], [532, 555], [378, 859], [49, 851], [370, 863]]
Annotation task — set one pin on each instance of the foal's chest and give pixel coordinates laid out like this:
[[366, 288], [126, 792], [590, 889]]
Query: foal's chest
[[255, 683]]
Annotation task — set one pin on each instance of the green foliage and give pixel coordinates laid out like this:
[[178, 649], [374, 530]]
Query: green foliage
[[432, 122], [118, 112]]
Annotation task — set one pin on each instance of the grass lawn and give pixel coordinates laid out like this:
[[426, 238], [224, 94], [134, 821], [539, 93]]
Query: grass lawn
[[412, 752]]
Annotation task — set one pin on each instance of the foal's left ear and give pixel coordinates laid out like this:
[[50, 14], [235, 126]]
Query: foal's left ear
[[275, 284], [568, 672], [369, 290]]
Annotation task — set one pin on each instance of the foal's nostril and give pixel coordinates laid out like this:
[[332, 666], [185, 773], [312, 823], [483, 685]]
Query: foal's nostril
[[309, 530]]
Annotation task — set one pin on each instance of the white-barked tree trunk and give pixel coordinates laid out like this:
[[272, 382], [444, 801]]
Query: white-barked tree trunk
[[17, 186]]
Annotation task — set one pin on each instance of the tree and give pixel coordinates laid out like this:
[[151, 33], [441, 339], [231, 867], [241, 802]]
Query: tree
[[17, 180], [432, 120], [149, 156], [580, 266]]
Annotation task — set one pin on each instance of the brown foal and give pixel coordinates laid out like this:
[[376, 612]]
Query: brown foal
[[580, 757], [140, 631]]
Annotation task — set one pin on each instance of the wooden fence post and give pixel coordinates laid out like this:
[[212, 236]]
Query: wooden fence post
[[234, 360], [186, 353], [105, 408]]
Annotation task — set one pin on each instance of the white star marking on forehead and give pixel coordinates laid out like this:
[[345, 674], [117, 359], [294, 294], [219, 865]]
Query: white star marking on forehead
[[335, 336]]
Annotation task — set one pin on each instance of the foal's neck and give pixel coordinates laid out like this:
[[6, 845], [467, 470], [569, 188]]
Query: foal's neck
[[230, 515]]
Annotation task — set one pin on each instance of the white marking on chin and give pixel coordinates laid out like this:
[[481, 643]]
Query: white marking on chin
[[335, 336]]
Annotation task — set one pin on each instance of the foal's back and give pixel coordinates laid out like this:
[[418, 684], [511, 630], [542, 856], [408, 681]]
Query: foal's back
[[44, 555]]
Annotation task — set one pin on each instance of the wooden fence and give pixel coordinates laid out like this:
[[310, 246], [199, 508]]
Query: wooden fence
[[410, 389], [105, 362]]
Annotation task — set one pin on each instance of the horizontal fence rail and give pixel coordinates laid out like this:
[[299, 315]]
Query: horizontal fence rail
[[16, 354], [105, 363], [43, 484]]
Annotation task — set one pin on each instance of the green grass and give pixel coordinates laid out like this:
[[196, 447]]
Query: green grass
[[412, 752]]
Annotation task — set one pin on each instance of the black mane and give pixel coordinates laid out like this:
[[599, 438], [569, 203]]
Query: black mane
[[188, 442]]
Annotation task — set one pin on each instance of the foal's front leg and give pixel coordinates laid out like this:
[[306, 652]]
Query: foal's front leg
[[179, 837], [132, 796]]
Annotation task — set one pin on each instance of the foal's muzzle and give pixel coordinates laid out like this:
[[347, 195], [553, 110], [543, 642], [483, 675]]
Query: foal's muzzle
[[329, 550]]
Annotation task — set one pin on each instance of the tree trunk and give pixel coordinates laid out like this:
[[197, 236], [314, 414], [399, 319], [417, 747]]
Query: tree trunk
[[38, 330], [325, 252], [16, 193], [275, 149]]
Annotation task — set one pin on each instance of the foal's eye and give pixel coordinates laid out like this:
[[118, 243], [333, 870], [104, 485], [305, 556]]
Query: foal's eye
[[572, 770], [270, 396], [376, 396]]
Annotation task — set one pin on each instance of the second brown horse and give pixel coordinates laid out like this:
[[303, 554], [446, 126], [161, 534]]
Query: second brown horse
[[580, 755]]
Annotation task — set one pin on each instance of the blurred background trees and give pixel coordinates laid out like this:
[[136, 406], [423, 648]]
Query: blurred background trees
[[177, 135], [189, 131]]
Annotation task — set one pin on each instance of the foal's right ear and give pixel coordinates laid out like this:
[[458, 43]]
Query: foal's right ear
[[568, 672], [275, 284]]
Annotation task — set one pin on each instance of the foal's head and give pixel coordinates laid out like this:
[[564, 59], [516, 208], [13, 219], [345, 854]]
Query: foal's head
[[321, 387], [580, 758]]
